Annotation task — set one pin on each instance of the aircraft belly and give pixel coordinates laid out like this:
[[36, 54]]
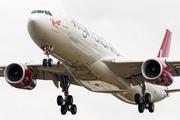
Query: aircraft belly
[[104, 80]]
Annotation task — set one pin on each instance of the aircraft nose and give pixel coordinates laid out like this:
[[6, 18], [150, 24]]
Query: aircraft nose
[[33, 22], [36, 24]]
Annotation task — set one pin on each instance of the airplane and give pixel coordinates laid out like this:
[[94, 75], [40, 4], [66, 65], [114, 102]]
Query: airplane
[[85, 59]]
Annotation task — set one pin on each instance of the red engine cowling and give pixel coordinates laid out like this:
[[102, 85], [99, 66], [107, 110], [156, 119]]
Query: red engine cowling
[[157, 72], [20, 76]]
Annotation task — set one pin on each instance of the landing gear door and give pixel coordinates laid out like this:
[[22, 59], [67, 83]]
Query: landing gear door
[[64, 20]]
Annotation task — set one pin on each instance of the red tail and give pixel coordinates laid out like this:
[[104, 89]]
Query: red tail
[[165, 46]]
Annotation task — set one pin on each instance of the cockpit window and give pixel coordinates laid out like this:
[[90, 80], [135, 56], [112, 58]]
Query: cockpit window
[[41, 11], [34, 11], [48, 13]]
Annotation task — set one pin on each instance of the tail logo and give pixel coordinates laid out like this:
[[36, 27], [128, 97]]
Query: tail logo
[[55, 23]]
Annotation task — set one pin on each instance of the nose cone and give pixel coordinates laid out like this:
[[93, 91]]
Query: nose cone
[[37, 27], [36, 24]]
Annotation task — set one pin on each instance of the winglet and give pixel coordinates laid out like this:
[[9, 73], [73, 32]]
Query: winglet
[[165, 46]]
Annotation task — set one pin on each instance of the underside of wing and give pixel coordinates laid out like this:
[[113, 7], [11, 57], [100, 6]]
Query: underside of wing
[[2, 70], [131, 69], [174, 65], [126, 67], [54, 73]]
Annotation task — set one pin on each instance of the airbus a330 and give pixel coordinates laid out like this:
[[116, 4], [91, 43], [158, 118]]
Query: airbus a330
[[85, 59]]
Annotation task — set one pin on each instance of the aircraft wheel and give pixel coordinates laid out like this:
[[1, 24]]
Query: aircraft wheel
[[69, 100], [151, 107], [45, 62], [73, 109], [147, 98], [141, 107], [63, 109], [59, 100], [137, 98], [50, 62]]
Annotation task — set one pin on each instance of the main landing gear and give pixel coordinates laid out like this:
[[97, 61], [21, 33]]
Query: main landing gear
[[67, 103], [145, 101], [47, 50]]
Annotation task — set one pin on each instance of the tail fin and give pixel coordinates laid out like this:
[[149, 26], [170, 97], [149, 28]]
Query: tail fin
[[165, 46]]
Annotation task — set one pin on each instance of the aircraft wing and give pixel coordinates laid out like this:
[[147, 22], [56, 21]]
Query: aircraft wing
[[46, 73], [131, 67], [124, 67], [2, 70], [174, 65]]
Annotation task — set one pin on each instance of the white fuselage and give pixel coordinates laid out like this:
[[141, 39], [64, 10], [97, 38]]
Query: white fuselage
[[82, 50]]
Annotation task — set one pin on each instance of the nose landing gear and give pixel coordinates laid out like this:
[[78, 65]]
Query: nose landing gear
[[47, 50]]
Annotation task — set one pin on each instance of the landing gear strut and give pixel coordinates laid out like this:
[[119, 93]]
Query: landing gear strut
[[145, 101], [47, 50], [67, 103]]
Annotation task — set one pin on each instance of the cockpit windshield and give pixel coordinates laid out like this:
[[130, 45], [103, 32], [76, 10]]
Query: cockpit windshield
[[42, 12]]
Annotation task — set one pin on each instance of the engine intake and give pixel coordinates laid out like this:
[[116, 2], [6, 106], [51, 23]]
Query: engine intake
[[20, 76], [157, 72]]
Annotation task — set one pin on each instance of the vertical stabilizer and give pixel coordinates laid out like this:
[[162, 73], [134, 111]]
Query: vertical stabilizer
[[165, 46]]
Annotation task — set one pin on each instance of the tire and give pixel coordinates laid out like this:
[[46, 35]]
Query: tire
[[63, 109], [44, 62], [137, 98], [50, 62], [69, 100], [140, 107], [73, 109], [147, 98], [151, 107], [59, 100]]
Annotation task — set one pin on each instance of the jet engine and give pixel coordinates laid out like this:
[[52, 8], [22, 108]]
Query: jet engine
[[157, 72], [20, 76]]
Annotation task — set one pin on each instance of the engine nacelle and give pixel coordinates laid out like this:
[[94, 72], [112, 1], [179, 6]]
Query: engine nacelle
[[20, 76], [157, 72]]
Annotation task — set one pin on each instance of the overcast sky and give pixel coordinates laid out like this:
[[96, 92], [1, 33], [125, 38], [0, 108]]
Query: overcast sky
[[135, 26]]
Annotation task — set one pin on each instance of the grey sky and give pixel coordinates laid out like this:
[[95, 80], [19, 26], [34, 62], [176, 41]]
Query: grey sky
[[135, 26]]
